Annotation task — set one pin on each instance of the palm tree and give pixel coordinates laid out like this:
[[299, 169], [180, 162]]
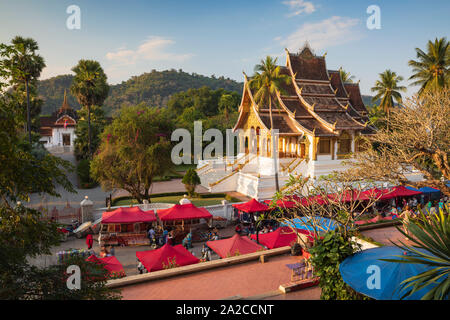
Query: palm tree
[[25, 66], [433, 235], [90, 88], [388, 90], [267, 80], [346, 76], [431, 70]]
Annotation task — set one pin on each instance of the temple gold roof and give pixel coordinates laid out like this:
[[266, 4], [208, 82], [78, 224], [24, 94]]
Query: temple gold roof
[[316, 101]]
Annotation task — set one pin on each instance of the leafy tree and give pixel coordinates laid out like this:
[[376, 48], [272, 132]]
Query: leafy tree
[[431, 70], [387, 89], [228, 103], [433, 235], [266, 81], [24, 66], [135, 148], [191, 180], [90, 88], [377, 116]]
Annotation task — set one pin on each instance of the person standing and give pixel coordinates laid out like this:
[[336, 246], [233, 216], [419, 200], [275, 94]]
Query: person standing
[[89, 241]]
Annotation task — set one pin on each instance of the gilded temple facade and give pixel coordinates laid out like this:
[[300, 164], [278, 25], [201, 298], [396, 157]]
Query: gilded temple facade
[[317, 120]]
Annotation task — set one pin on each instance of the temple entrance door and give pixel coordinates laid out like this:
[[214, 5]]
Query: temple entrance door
[[66, 139], [302, 150]]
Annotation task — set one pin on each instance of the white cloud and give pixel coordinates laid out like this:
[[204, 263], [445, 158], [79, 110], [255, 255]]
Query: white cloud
[[300, 6], [152, 49], [329, 32]]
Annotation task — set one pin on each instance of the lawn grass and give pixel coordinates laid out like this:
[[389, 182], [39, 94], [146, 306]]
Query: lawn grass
[[199, 202]]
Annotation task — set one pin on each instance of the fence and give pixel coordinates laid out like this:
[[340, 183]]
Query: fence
[[65, 215]]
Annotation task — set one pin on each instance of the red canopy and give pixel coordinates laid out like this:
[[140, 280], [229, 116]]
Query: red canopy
[[110, 263], [402, 191], [236, 244], [128, 215], [251, 206], [183, 212], [281, 237], [283, 203], [349, 196], [154, 260]]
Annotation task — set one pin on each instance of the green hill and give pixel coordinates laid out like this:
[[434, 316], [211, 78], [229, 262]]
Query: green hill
[[153, 88]]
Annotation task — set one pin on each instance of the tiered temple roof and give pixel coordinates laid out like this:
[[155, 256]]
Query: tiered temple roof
[[315, 102]]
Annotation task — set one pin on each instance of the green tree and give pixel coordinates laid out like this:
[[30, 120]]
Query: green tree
[[433, 235], [266, 81], [24, 66], [98, 123], [90, 87], [228, 103], [135, 148], [388, 89], [191, 180], [431, 69]]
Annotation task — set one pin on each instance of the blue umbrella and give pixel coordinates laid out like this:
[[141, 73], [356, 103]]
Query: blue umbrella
[[366, 274], [305, 223]]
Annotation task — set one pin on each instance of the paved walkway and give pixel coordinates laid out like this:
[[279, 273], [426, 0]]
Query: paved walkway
[[247, 279]]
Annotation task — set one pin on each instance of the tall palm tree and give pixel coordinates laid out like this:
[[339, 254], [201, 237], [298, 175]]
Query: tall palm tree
[[431, 70], [25, 66], [346, 76], [267, 80], [388, 90], [90, 88]]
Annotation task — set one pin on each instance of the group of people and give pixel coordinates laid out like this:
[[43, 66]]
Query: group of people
[[160, 236], [251, 229]]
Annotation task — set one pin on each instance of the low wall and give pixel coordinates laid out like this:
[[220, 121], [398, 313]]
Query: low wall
[[201, 266]]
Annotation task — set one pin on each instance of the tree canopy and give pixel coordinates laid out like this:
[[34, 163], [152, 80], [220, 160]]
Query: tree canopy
[[134, 149]]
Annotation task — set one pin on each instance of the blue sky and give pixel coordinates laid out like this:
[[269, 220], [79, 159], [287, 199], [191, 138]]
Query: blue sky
[[225, 37]]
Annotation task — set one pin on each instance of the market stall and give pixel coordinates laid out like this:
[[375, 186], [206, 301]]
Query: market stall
[[114, 267], [181, 218], [236, 245], [126, 226], [281, 237], [166, 257], [249, 210]]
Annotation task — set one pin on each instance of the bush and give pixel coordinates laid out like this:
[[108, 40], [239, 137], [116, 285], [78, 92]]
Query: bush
[[191, 180], [326, 255]]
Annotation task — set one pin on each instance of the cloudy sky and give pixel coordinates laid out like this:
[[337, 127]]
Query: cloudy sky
[[225, 38]]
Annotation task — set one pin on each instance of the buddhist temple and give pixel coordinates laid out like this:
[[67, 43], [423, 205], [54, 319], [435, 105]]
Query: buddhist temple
[[319, 119], [58, 130]]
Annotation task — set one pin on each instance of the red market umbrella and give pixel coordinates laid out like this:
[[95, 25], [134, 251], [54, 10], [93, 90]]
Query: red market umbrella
[[281, 237], [183, 212], [251, 206], [159, 259], [231, 246], [128, 215]]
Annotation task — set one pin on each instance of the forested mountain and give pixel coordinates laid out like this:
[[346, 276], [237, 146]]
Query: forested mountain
[[153, 88]]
